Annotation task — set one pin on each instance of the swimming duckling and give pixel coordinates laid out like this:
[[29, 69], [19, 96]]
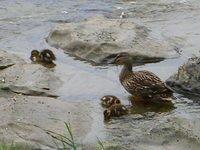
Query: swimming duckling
[[109, 100], [142, 84], [115, 110], [45, 56]]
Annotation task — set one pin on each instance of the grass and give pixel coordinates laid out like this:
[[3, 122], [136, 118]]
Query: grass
[[68, 142], [100, 144], [4, 146]]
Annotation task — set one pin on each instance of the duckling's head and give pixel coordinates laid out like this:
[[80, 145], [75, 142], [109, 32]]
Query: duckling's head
[[122, 58], [107, 114], [34, 55]]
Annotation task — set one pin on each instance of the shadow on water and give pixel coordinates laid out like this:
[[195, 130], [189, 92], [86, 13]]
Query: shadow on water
[[142, 107]]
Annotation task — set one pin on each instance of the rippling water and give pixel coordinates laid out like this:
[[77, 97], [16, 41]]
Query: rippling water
[[24, 24]]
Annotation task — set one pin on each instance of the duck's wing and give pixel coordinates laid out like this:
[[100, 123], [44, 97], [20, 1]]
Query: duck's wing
[[147, 84], [48, 54]]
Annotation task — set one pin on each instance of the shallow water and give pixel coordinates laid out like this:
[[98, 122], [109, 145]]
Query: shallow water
[[24, 24]]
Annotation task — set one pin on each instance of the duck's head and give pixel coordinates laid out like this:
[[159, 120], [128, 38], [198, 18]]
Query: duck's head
[[109, 100], [107, 114], [34, 55], [121, 59]]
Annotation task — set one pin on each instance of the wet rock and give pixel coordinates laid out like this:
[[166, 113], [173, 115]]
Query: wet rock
[[160, 132], [187, 79], [99, 38], [30, 79], [7, 60]]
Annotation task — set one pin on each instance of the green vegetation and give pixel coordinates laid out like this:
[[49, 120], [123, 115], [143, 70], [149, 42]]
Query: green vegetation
[[4, 146], [67, 142]]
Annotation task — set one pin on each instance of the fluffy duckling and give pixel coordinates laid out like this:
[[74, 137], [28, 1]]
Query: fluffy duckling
[[109, 100], [115, 110], [45, 56], [142, 84]]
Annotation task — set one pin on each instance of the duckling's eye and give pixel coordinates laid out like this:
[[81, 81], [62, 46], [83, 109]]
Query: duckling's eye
[[118, 101]]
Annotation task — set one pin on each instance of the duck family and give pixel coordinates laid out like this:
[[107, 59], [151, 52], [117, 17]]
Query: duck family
[[143, 85]]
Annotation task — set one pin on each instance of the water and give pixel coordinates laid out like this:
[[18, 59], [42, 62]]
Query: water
[[24, 24]]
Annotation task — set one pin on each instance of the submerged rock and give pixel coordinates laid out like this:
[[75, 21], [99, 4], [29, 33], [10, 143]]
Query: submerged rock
[[98, 38], [187, 79]]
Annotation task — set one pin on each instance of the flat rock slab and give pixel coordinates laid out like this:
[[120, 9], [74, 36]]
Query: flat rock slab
[[27, 119], [30, 79], [7, 60], [187, 79], [94, 39]]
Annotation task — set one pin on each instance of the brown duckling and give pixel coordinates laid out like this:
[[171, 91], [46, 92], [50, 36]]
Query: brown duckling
[[45, 56], [109, 100], [115, 110], [142, 84]]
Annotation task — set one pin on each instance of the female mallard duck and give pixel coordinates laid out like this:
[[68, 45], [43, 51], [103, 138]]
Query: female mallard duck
[[115, 110], [45, 56], [142, 84], [109, 100]]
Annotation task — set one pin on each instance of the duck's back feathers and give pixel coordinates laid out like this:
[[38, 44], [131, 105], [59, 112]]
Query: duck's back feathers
[[146, 84], [47, 55]]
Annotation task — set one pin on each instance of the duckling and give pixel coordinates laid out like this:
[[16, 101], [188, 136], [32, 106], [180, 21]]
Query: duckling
[[115, 110], [45, 56], [142, 84], [108, 100]]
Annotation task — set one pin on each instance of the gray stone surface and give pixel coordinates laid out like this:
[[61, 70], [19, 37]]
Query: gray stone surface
[[187, 79], [7, 60], [97, 38], [29, 107]]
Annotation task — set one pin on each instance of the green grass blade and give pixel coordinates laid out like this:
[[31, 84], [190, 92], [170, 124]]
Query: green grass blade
[[100, 143]]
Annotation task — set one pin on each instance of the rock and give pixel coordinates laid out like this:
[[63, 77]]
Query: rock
[[160, 132], [27, 120], [98, 38], [29, 108], [30, 79], [187, 79], [7, 60]]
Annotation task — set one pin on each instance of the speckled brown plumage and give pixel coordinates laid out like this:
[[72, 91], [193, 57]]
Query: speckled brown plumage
[[144, 84], [109, 100], [115, 110], [45, 56]]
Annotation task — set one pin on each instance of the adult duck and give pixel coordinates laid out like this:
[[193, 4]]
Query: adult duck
[[142, 85]]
